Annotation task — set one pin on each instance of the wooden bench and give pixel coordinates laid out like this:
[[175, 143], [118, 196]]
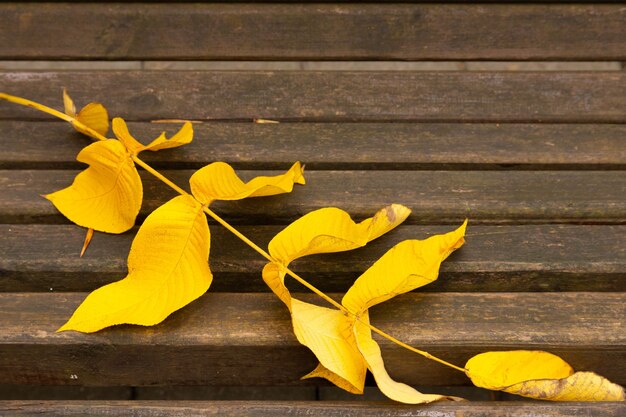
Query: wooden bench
[[535, 159]]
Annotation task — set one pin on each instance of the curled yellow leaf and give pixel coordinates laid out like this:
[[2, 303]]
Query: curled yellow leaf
[[370, 350], [167, 269], [408, 265], [218, 181], [106, 196], [182, 137], [332, 230], [327, 332], [93, 115], [540, 375]]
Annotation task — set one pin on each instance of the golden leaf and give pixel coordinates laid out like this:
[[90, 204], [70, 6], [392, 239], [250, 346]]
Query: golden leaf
[[327, 332], [540, 375], [332, 230], [182, 137], [218, 181], [167, 269], [93, 115], [106, 196], [408, 265]]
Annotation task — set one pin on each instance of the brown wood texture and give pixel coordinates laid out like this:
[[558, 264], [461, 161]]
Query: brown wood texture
[[494, 258], [310, 409], [246, 339], [580, 97], [313, 31], [436, 197], [381, 146]]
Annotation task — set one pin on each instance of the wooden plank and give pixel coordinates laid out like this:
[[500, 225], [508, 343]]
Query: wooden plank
[[407, 146], [313, 31], [436, 197], [310, 408], [580, 97], [246, 339], [494, 258]]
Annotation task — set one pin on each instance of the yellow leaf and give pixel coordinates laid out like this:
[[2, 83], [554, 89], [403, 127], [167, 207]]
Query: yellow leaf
[[408, 265], [274, 276], [373, 357], [182, 137], [93, 115], [218, 181], [106, 196], [332, 230], [327, 332], [540, 375], [167, 269]]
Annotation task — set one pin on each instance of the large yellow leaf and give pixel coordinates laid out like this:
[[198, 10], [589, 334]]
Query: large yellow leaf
[[93, 115], [540, 375], [167, 269], [332, 230], [373, 357], [106, 196], [408, 265], [182, 137], [327, 332], [218, 181]]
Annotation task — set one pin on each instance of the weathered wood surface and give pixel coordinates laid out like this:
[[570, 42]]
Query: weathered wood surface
[[380, 146], [579, 97], [313, 31], [246, 339], [495, 258], [310, 408], [436, 197]]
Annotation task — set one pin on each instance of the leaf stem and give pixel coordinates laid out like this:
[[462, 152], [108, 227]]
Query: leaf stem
[[53, 112], [228, 226]]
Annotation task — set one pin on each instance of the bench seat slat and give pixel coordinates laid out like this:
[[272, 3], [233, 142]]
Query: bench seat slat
[[436, 197], [495, 258], [407, 146], [300, 408], [313, 31], [331, 95], [246, 339]]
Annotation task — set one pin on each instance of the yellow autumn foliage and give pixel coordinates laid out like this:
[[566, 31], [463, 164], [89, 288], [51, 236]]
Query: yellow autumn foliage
[[93, 115], [182, 137], [540, 375], [106, 196], [167, 269]]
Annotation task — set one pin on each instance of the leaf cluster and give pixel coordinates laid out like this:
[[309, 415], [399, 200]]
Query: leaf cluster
[[168, 266]]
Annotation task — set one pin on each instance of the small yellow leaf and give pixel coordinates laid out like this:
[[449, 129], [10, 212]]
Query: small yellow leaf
[[540, 375], [106, 196], [218, 181], [328, 333], [274, 276], [371, 353], [332, 230], [167, 269], [93, 115], [182, 137], [408, 265], [87, 241]]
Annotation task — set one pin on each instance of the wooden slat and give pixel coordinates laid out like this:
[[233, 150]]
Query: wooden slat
[[436, 197], [332, 95], [494, 258], [310, 408], [313, 31], [246, 339], [406, 146]]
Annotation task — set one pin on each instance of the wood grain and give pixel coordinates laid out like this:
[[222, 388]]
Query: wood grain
[[313, 31], [246, 339], [436, 197], [310, 408], [579, 97], [380, 146], [494, 258]]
